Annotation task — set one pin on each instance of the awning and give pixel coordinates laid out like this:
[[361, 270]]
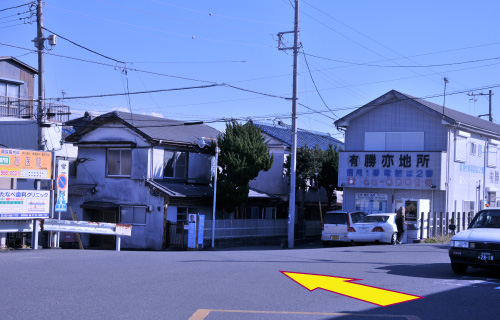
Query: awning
[[181, 189], [99, 205], [79, 189]]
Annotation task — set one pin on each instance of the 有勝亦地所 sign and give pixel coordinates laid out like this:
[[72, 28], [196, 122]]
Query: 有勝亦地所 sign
[[25, 164]]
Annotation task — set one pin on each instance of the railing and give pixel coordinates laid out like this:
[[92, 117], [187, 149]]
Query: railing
[[176, 235], [23, 108], [16, 107]]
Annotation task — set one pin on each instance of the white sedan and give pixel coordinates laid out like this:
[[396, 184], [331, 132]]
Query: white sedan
[[377, 227], [479, 245]]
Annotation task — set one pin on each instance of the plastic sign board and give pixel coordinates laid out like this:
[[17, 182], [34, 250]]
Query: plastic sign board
[[62, 186], [24, 204], [25, 164]]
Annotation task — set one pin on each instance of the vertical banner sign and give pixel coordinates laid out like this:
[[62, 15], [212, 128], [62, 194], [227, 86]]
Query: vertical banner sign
[[62, 186], [201, 229], [192, 231]]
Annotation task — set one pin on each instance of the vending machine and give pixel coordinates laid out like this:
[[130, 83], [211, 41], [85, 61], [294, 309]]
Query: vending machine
[[413, 211]]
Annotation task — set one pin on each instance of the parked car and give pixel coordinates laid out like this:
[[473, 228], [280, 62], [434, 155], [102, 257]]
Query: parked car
[[479, 245], [377, 227], [336, 224]]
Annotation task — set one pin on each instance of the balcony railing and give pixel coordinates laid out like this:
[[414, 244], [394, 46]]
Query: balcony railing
[[26, 109]]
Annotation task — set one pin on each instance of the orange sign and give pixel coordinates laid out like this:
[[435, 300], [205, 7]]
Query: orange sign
[[25, 164]]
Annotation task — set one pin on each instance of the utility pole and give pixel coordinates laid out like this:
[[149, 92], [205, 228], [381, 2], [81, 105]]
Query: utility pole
[[39, 43], [293, 162], [490, 95]]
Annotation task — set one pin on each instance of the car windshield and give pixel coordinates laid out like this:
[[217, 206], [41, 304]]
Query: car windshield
[[336, 218], [375, 219], [487, 219]]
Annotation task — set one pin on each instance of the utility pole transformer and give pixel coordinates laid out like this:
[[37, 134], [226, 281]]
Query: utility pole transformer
[[293, 162]]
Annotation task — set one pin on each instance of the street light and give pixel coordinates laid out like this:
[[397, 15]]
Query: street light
[[202, 144]]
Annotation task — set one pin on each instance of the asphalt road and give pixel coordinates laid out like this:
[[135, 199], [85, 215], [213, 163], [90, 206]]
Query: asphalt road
[[240, 283]]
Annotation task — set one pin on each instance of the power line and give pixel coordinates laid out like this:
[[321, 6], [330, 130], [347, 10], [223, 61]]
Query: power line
[[26, 4], [314, 83], [179, 19], [85, 48], [404, 66], [138, 92], [159, 30], [219, 15]]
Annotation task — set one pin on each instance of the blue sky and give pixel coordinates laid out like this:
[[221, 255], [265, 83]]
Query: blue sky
[[356, 51]]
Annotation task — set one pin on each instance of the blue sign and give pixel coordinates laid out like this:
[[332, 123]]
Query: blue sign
[[61, 204], [201, 229]]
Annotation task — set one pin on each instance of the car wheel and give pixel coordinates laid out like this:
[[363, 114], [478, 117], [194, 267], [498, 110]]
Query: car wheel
[[459, 268], [394, 238]]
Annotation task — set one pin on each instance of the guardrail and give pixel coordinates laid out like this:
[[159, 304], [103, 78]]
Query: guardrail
[[114, 229]]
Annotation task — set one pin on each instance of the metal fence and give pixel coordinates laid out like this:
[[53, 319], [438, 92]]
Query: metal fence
[[26, 109], [176, 235], [438, 224]]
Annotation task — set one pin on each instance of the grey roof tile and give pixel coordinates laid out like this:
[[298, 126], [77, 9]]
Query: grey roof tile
[[305, 137]]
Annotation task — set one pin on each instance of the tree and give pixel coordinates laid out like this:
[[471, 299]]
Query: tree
[[329, 174], [243, 154], [314, 161]]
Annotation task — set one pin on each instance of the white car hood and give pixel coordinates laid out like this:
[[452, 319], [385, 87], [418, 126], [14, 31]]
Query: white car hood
[[479, 234]]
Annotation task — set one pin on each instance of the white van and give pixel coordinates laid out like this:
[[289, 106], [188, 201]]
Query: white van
[[336, 224]]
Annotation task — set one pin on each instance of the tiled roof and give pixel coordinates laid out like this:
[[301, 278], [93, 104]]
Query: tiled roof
[[304, 137], [457, 115], [153, 128], [450, 115]]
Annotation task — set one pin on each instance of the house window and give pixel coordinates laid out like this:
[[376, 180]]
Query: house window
[[492, 155], [175, 164], [119, 162], [184, 212], [473, 147], [460, 149], [251, 213], [134, 215], [394, 141], [480, 150], [10, 90], [269, 213]]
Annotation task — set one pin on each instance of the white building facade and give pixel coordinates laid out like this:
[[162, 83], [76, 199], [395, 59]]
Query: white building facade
[[400, 149]]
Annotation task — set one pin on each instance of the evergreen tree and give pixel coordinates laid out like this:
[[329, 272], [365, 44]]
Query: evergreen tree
[[243, 154], [329, 174]]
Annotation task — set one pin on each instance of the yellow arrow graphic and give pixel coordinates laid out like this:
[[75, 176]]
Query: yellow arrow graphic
[[344, 286]]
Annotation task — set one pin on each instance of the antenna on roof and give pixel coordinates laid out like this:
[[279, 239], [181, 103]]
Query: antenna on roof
[[444, 99]]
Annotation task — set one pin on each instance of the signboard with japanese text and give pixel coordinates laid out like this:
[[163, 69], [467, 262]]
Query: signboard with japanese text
[[391, 170], [62, 186], [25, 164], [24, 204]]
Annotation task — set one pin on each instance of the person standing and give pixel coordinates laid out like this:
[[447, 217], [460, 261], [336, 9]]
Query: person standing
[[400, 223]]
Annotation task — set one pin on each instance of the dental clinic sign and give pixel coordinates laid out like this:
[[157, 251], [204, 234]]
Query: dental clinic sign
[[391, 170]]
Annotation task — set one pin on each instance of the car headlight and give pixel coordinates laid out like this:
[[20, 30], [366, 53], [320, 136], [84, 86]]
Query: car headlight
[[459, 244]]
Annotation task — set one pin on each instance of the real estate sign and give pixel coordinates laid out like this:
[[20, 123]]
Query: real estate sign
[[25, 164]]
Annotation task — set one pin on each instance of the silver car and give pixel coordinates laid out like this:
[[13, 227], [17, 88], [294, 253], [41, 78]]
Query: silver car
[[479, 245]]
